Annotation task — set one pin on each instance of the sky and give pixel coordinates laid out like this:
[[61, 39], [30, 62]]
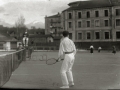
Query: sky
[[32, 10]]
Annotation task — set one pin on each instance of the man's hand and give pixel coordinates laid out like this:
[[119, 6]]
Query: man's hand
[[59, 60]]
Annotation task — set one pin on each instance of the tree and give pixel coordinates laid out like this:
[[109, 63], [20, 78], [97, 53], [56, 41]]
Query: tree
[[20, 25]]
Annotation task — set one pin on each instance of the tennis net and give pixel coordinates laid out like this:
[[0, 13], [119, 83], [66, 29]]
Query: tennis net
[[8, 63]]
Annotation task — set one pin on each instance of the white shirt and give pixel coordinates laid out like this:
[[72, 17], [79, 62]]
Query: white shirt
[[91, 47], [99, 48], [66, 45]]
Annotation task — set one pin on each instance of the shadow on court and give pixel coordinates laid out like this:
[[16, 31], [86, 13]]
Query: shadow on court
[[97, 71]]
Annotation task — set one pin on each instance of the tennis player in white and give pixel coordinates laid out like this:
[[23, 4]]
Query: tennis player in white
[[67, 50]]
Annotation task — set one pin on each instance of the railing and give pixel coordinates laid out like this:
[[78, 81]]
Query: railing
[[8, 63]]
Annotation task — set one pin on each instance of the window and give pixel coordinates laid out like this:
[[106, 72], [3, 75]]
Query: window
[[70, 24], [79, 24], [88, 23], [70, 15], [106, 13], [106, 23], [106, 35], [79, 15], [70, 35], [97, 23], [97, 35], [79, 36], [117, 35], [50, 22], [88, 35], [96, 14], [88, 14], [117, 12], [55, 30], [117, 22]]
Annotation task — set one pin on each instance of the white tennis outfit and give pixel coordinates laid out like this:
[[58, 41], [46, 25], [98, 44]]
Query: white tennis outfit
[[25, 39], [67, 45]]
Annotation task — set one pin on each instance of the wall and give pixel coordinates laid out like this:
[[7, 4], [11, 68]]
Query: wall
[[8, 46], [104, 45]]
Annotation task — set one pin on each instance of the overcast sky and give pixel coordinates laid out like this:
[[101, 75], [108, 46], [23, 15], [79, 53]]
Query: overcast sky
[[32, 10]]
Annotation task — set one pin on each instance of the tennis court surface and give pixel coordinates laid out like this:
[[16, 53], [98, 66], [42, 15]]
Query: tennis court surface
[[97, 71]]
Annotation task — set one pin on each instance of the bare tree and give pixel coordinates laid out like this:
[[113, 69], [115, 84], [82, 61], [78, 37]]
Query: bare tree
[[20, 25]]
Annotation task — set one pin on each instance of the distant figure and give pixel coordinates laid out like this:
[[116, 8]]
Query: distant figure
[[25, 40], [114, 50], [19, 47], [19, 54], [31, 49], [91, 49], [99, 49]]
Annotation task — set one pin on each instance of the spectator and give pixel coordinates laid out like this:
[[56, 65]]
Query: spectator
[[19, 53], [20, 47], [91, 49], [114, 50], [31, 49], [99, 49]]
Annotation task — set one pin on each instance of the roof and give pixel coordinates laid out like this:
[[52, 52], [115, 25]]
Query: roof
[[32, 31], [6, 38], [38, 36], [92, 4], [54, 16]]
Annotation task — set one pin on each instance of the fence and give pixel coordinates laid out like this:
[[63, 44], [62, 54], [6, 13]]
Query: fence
[[10, 62]]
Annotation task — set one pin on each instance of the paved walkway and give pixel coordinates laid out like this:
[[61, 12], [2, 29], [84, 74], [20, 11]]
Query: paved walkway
[[89, 71]]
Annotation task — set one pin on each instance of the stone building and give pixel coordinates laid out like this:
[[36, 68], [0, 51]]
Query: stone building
[[53, 24], [94, 22]]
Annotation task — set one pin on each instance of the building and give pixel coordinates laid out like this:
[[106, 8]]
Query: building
[[53, 25], [7, 42], [94, 22]]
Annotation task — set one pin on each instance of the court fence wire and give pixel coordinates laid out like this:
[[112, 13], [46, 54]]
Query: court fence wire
[[9, 63]]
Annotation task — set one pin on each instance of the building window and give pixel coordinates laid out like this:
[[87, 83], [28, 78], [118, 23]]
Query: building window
[[88, 35], [88, 23], [70, 24], [88, 14], [55, 30], [117, 35], [97, 23], [70, 35], [97, 35], [79, 36], [79, 15], [106, 13], [117, 22], [79, 24], [70, 15], [106, 35], [117, 12], [51, 22], [106, 23], [96, 14]]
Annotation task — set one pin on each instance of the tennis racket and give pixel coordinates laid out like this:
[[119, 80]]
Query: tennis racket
[[52, 61]]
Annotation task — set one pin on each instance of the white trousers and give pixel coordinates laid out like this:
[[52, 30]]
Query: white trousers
[[66, 69]]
